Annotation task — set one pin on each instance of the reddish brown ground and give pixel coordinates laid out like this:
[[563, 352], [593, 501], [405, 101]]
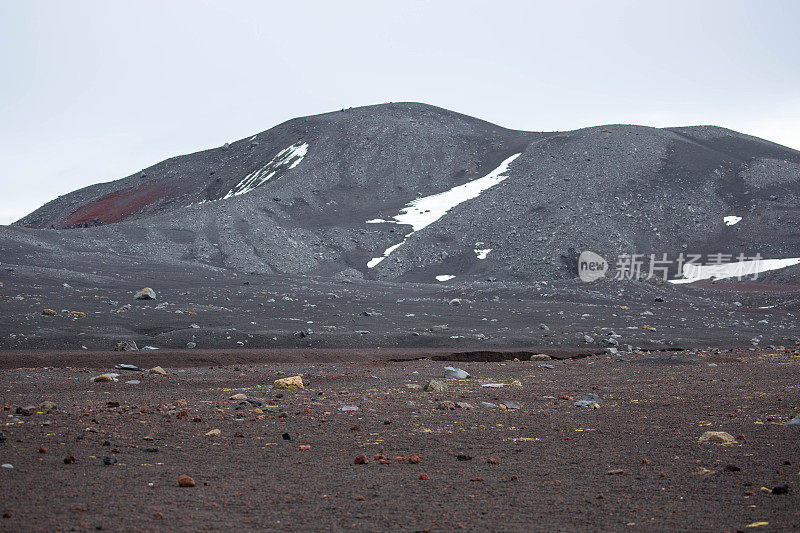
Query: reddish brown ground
[[634, 464], [115, 206]]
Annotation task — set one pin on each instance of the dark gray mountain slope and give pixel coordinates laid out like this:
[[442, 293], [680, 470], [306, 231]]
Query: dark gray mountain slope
[[296, 199]]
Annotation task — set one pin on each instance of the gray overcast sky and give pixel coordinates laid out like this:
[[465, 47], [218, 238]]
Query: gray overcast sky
[[92, 91]]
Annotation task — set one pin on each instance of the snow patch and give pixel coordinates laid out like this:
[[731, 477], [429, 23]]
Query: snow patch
[[444, 277], [731, 220], [423, 212], [692, 272], [288, 157]]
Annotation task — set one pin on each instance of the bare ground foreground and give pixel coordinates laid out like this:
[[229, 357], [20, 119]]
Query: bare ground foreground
[[285, 460]]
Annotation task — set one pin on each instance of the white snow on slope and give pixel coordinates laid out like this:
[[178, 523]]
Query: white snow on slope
[[423, 212], [290, 157], [731, 220], [692, 272]]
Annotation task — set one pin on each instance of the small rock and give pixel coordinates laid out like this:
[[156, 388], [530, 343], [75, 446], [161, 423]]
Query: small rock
[[424, 477], [157, 370], [487, 405], [68, 460], [42, 449], [793, 422], [126, 346], [446, 406], [544, 327], [240, 397], [28, 410], [108, 461], [465, 405], [349, 408], [455, 302], [360, 459], [191, 345], [435, 386], [516, 383], [304, 447], [214, 433], [49, 312], [615, 472], [125, 366], [717, 437], [293, 382], [415, 459], [8, 466], [463, 457], [493, 461], [185, 481], [588, 400], [145, 294], [781, 489], [451, 372], [493, 385], [47, 406], [103, 378], [511, 405], [540, 357]]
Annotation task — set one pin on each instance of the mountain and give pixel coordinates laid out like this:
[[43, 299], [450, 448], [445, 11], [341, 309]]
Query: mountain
[[408, 192]]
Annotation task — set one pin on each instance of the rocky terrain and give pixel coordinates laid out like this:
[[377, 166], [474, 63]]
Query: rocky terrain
[[144, 321], [693, 441], [406, 225]]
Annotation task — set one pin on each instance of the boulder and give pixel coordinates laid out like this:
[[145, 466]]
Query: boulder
[[452, 372], [717, 437], [435, 386], [293, 382], [126, 346], [145, 294]]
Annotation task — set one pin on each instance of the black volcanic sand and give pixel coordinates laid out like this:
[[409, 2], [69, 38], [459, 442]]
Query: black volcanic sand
[[634, 463], [228, 311]]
